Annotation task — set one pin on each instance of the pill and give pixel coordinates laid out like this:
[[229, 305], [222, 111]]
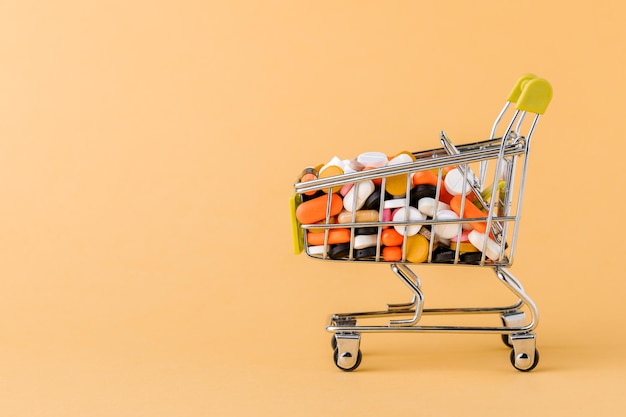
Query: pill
[[365, 253], [331, 171], [397, 184], [454, 183], [334, 236], [463, 247], [390, 237], [373, 201], [408, 214], [394, 203], [355, 198], [315, 250], [373, 159], [442, 255], [360, 216], [469, 211], [392, 253], [417, 249], [444, 195], [471, 257], [313, 211], [478, 239], [425, 231], [447, 230], [366, 231], [387, 215], [309, 174], [424, 177], [427, 206], [464, 237], [365, 241], [355, 165], [339, 251], [422, 191], [345, 188]]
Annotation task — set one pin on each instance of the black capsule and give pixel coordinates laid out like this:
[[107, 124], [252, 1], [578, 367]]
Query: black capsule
[[365, 253], [472, 258], [339, 251], [422, 191], [366, 231]]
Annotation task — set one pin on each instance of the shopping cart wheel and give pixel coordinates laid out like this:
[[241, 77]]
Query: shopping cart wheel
[[524, 355], [347, 356]]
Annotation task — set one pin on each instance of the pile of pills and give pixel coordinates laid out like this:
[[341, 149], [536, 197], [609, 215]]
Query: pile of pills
[[410, 214]]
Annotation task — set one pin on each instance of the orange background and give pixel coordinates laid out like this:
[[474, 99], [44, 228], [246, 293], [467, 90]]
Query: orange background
[[147, 153]]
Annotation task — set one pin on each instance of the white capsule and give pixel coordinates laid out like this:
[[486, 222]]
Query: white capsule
[[363, 190], [478, 239], [365, 241]]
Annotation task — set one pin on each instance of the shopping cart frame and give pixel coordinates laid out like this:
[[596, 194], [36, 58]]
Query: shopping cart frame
[[530, 95]]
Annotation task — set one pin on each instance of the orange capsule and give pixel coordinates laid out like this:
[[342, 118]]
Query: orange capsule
[[314, 210], [392, 253], [334, 236], [390, 237], [425, 177], [470, 211]]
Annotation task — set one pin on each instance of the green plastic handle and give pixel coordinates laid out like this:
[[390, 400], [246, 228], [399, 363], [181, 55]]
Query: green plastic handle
[[535, 96], [519, 86]]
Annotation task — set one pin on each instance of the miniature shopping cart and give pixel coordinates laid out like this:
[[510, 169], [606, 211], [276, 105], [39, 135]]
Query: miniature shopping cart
[[454, 205]]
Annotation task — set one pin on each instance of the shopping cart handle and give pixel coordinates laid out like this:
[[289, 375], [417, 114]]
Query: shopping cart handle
[[519, 85], [535, 96]]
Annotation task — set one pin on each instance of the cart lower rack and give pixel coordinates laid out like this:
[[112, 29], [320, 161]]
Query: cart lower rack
[[454, 205]]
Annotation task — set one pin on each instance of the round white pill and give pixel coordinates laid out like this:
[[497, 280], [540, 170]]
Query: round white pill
[[478, 239], [426, 205], [373, 159], [447, 230], [413, 215], [454, 181]]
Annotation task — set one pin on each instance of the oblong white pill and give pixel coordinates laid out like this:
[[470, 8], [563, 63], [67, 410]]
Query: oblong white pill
[[447, 230], [365, 241], [394, 203], [413, 215], [373, 159], [363, 190], [315, 250], [478, 239], [426, 205], [454, 181]]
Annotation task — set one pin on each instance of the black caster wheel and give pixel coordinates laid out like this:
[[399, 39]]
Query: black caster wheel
[[333, 342], [506, 341], [353, 367], [532, 366]]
